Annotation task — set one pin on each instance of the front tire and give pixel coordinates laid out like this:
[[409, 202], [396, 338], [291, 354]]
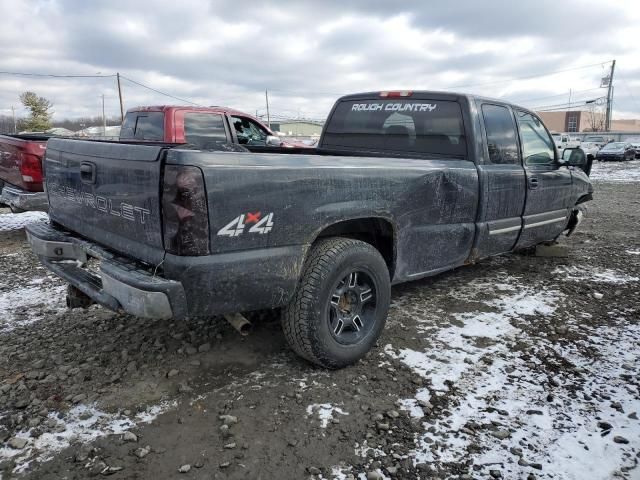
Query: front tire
[[340, 306]]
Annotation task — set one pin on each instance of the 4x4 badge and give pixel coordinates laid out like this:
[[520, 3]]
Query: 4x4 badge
[[237, 226]]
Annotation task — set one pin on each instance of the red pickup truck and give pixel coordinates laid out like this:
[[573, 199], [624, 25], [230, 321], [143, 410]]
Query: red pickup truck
[[21, 171], [206, 128]]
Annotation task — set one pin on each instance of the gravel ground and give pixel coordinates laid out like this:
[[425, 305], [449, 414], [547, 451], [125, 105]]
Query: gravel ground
[[517, 367]]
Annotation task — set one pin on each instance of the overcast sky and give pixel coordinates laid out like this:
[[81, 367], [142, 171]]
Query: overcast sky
[[308, 53]]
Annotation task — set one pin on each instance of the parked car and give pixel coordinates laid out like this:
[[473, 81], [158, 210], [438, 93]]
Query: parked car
[[202, 127], [21, 171], [635, 143], [592, 145], [403, 185], [620, 151]]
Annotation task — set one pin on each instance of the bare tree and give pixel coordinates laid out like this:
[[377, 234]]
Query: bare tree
[[596, 119]]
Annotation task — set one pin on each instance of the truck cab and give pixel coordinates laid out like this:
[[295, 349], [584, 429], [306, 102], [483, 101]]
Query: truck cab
[[206, 128]]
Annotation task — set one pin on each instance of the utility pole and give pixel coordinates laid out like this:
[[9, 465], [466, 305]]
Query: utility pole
[[104, 120], [266, 96], [15, 125], [120, 95], [610, 98]]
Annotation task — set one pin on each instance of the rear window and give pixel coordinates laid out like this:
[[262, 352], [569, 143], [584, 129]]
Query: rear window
[[397, 126], [204, 130], [143, 126]]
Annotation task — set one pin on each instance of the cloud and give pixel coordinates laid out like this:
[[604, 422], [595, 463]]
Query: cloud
[[308, 53]]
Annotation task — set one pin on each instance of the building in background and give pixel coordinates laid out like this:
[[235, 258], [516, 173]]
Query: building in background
[[631, 125], [575, 121]]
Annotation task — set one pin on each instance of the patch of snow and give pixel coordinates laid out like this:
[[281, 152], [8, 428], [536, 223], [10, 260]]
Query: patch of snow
[[633, 252], [325, 412], [561, 432], [411, 405], [616, 172], [363, 476], [83, 423], [454, 350], [17, 221], [606, 275], [18, 306], [338, 473], [365, 450]]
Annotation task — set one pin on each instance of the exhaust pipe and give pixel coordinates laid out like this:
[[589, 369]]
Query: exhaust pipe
[[77, 298], [240, 323]]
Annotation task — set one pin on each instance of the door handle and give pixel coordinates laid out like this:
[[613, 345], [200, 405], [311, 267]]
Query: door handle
[[87, 172], [533, 183]]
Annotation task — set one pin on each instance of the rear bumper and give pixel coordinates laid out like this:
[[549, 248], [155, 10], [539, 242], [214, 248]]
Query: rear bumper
[[21, 199], [118, 283], [201, 286]]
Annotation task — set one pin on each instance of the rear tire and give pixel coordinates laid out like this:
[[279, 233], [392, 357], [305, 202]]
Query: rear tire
[[340, 306]]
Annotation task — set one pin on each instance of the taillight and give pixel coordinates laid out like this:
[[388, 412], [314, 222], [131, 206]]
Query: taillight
[[403, 93], [184, 209], [30, 168]]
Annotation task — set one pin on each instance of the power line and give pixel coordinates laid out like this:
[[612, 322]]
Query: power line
[[160, 92], [555, 96], [564, 106], [51, 75]]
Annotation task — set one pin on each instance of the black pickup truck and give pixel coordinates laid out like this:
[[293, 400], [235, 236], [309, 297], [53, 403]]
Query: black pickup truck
[[403, 185]]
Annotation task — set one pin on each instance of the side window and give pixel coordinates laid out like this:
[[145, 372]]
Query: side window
[[150, 126], [249, 132], [143, 126], [204, 130], [501, 135], [537, 146]]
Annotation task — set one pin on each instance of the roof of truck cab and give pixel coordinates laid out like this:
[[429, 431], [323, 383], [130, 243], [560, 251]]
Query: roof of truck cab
[[166, 108], [426, 94]]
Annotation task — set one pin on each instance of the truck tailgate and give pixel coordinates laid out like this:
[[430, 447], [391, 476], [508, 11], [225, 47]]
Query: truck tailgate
[[20, 161], [108, 193]]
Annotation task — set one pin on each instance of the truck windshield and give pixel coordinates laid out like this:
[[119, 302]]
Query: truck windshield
[[143, 126], [397, 126]]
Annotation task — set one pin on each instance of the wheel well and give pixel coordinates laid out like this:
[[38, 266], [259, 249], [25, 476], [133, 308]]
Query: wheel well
[[374, 231]]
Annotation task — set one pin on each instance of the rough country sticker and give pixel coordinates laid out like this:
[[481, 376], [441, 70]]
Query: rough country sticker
[[259, 224], [394, 107]]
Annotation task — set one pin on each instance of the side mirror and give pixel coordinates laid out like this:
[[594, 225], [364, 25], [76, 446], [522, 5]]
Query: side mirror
[[273, 141], [575, 157]]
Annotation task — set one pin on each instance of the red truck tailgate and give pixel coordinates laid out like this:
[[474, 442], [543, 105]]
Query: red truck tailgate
[[21, 160]]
